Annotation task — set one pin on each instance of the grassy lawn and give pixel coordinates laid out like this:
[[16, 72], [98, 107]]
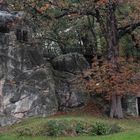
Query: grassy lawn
[[121, 136], [131, 129]]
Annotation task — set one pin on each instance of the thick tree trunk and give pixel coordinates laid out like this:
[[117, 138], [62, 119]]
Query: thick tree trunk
[[113, 106], [116, 107], [119, 108]]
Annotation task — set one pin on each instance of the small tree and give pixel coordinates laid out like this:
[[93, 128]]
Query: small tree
[[115, 81]]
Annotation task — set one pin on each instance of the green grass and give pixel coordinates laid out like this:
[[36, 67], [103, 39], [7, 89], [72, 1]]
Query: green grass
[[120, 136], [131, 129]]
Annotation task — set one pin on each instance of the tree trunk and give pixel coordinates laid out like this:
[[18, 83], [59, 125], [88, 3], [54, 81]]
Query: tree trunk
[[113, 106], [119, 108], [112, 55], [116, 107], [111, 31]]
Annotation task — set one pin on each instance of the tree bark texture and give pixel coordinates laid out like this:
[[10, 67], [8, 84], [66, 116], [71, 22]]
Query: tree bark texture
[[116, 107]]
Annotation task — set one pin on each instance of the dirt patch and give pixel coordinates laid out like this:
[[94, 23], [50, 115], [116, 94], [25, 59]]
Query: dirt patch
[[91, 109]]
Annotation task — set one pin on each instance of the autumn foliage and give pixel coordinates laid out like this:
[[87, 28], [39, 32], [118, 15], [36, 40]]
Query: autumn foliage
[[106, 77]]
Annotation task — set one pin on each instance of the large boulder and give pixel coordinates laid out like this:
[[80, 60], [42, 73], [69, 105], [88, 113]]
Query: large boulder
[[72, 62], [69, 91], [69, 88], [40, 92], [31, 95]]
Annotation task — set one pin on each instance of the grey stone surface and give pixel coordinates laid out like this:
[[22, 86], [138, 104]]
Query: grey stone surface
[[129, 105], [8, 19], [71, 62], [34, 96], [69, 91], [29, 86], [36, 89]]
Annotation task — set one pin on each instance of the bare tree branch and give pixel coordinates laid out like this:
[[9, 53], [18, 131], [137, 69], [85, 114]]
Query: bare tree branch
[[127, 29]]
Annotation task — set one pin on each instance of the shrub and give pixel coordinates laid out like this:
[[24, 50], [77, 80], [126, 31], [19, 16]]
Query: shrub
[[100, 129], [68, 128], [55, 128], [79, 128]]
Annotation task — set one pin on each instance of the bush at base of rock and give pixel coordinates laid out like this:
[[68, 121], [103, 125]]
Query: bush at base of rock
[[70, 128]]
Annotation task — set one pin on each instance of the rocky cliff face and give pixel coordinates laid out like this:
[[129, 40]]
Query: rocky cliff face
[[31, 86]]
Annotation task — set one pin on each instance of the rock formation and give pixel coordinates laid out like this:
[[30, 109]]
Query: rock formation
[[37, 89], [31, 85]]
